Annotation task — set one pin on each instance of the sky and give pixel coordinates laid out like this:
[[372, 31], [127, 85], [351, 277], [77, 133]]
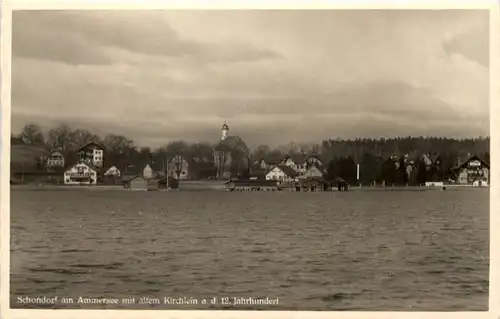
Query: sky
[[273, 76]]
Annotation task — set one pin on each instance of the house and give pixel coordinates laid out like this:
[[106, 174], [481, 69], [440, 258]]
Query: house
[[137, 183], [313, 171], [178, 168], [148, 172], [281, 173], [54, 160], [314, 159], [80, 174], [263, 164], [297, 162], [474, 171], [260, 164], [112, 176], [113, 171], [91, 153], [251, 185]]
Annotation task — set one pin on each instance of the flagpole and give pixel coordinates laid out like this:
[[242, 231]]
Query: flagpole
[[167, 175]]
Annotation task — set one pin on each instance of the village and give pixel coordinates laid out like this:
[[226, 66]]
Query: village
[[296, 172]]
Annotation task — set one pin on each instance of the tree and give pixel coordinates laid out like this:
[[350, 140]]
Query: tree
[[402, 174], [176, 147], [421, 172], [261, 152], [61, 139], [200, 153], [333, 169], [389, 172], [81, 137], [368, 168], [118, 144], [240, 155], [348, 170], [120, 152], [146, 156], [486, 157], [275, 156], [32, 135], [16, 140]]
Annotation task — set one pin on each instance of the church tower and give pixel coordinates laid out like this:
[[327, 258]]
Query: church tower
[[225, 130]]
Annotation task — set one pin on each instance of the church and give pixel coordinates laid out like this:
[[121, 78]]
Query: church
[[230, 153]]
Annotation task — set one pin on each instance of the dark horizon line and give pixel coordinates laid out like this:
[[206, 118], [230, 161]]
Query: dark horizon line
[[340, 140]]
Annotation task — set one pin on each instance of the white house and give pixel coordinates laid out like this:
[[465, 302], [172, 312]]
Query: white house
[[80, 174], [281, 173], [148, 172], [55, 159], [113, 171]]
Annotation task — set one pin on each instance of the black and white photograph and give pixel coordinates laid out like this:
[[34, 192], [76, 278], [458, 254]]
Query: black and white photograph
[[274, 160]]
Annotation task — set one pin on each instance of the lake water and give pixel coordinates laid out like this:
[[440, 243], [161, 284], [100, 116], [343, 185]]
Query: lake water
[[359, 250]]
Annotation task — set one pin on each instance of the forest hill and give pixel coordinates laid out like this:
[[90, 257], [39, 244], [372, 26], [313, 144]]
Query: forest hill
[[379, 159]]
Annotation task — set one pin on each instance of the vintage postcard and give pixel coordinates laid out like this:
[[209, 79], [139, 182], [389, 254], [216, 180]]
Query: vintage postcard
[[214, 161]]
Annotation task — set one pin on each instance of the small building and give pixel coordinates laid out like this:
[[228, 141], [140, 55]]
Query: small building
[[342, 184], [434, 184], [474, 171], [315, 184], [309, 184], [251, 185], [281, 173], [137, 183], [125, 180], [54, 160], [80, 174], [153, 185], [148, 173], [112, 176], [113, 171]]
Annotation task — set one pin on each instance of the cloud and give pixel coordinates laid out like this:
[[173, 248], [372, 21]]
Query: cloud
[[152, 118], [90, 37], [35, 35], [473, 46], [274, 76]]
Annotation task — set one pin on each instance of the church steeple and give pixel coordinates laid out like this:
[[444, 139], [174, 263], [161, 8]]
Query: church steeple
[[225, 130]]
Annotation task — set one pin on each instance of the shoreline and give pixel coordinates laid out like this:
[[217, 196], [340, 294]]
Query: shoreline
[[219, 186]]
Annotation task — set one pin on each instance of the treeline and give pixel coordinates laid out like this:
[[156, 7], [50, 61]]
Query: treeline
[[120, 151], [379, 159], [387, 160]]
